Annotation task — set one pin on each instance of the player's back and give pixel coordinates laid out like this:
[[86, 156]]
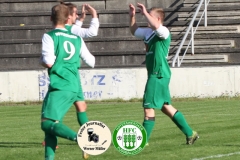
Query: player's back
[[64, 73]]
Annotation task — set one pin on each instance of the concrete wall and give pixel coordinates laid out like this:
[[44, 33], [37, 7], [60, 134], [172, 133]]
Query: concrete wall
[[124, 83], [114, 4]]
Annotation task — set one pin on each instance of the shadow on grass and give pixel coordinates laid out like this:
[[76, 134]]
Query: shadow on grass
[[19, 144], [28, 144]]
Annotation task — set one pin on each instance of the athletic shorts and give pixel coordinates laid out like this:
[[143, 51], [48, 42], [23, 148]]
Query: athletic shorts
[[57, 103], [80, 96], [156, 93]]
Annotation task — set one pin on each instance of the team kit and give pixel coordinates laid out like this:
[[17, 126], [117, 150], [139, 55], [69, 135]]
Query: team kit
[[63, 50]]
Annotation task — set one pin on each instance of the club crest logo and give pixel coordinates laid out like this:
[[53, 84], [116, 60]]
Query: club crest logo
[[129, 138]]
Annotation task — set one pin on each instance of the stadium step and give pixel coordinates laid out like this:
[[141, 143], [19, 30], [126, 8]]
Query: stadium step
[[23, 22], [29, 46], [211, 15], [207, 30], [192, 3], [34, 32], [116, 60], [105, 16], [39, 6], [45, 5], [204, 59]]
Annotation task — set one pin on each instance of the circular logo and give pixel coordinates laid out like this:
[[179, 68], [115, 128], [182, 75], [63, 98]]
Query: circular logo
[[129, 138], [94, 137]]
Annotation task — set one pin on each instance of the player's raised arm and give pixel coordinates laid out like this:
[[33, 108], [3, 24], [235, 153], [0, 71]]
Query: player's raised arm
[[155, 20], [83, 14], [86, 56], [154, 24], [132, 24], [94, 25]]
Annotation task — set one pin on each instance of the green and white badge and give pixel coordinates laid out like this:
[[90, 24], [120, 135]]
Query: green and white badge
[[129, 138]]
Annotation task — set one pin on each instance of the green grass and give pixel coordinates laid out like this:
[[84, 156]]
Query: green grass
[[216, 120]]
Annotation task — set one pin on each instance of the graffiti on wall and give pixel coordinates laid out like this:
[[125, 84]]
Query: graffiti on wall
[[94, 85]]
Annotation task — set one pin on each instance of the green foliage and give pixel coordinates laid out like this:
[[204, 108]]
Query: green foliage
[[216, 120]]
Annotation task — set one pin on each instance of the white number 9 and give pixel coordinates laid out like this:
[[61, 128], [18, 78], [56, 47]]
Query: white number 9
[[72, 49]]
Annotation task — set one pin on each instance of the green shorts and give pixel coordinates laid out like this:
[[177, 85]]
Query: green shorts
[[156, 93], [57, 103], [80, 96]]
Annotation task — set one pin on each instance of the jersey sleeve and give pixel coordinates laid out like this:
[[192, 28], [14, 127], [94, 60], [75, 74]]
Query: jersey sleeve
[[86, 56], [79, 23], [162, 32], [48, 56], [86, 32], [142, 32]]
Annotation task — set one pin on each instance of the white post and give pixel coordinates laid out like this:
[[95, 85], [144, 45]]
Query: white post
[[192, 41], [178, 62], [205, 14]]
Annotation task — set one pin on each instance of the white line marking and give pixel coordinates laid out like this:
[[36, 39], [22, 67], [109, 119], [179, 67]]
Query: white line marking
[[217, 156]]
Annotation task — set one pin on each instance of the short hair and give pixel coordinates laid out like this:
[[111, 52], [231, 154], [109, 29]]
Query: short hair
[[160, 12], [71, 6], [59, 14]]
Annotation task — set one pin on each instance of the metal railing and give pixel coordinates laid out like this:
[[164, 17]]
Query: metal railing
[[176, 58]]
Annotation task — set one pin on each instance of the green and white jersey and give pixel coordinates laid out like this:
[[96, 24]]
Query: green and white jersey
[[63, 50], [157, 48]]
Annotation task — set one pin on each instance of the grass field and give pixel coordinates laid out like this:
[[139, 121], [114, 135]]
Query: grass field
[[216, 120]]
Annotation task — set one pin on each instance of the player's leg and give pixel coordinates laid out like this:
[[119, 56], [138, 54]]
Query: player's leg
[[149, 121], [58, 129], [81, 108], [44, 143], [149, 105], [176, 116], [50, 146], [179, 119], [55, 106]]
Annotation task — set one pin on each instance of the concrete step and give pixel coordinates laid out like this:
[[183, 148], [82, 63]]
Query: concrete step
[[106, 16], [198, 51], [32, 63], [204, 58], [108, 4], [23, 6], [23, 46], [191, 3], [211, 15], [211, 1], [177, 32], [41, 19], [104, 28], [206, 30]]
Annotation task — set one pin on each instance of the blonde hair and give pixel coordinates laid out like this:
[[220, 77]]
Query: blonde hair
[[160, 12]]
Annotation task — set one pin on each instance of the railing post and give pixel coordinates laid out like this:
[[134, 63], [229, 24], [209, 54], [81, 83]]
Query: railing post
[[192, 41], [205, 13], [178, 62]]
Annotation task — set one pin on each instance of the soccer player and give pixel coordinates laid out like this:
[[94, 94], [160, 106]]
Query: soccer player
[[74, 26], [157, 40], [61, 52]]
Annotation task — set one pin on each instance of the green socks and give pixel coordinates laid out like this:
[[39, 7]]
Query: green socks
[[82, 118], [50, 146], [148, 125], [182, 124], [58, 129]]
